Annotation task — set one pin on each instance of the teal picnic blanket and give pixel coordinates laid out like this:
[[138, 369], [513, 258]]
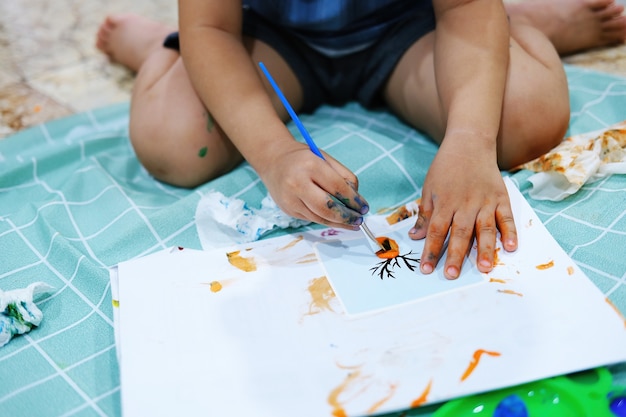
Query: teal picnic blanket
[[74, 201]]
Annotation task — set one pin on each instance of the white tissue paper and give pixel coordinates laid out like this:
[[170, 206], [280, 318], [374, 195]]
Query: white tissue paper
[[18, 313], [578, 160], [222, 221]]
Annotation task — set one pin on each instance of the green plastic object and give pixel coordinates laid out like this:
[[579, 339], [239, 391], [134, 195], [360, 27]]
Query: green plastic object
[[583, 394]]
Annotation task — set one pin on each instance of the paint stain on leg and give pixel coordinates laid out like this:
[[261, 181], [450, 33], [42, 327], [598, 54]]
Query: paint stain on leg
[[202, 152]]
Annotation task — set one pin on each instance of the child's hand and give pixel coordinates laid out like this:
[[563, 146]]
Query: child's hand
[[468, 198], [302, 184]]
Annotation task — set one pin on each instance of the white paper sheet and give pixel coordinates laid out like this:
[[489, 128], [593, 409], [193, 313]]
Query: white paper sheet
[[257, 330]]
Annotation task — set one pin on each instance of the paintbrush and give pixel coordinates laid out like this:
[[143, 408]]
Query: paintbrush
[[309, 140]]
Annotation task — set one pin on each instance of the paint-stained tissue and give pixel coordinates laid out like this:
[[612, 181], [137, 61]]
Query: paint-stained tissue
[[18, 313], [578, 160], [222, 220]]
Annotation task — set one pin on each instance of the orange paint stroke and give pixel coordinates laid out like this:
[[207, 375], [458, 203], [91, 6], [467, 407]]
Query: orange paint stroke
[[570, 270], [424, 397], [475, 360], [379, 403], [321, 295], [511, 292], [308, 258], [291, 244], [215, 286], [333, 397], [390, 253], [545, 266], [496, 257], [498, 280], [617, 310], [238, 261]]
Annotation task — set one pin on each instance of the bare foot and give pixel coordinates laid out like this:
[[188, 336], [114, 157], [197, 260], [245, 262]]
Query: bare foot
[[129, 39], [574, 25]]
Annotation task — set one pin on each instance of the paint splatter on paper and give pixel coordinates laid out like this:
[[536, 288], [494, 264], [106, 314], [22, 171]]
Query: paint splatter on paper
[[238, 261], [423, 397], [321, 296], [475, 361], [547, 265]]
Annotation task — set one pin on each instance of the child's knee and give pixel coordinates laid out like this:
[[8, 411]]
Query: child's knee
[[183, 159], [536, 127]]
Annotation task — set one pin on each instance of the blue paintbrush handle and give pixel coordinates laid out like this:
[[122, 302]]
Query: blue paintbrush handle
[[309, 140]]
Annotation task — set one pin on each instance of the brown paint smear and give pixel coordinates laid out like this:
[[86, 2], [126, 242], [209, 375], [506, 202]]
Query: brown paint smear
[[333, 397], [291, 244], [511, 292], [321, 295], [391, 248], [475, 360], [379, 403], [238, 261], [424, 397], [545, 266]]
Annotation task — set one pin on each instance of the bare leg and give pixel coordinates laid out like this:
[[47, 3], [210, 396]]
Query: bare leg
[[173, 135], [536, 103], [573, 25]]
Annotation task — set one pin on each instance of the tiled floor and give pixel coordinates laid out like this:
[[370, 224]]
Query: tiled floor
[[49, 66]]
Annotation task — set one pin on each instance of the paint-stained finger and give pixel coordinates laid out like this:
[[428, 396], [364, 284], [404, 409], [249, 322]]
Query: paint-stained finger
[[486, 233], [312, 216], [461, 237], [434, 244], [506, 225], [418, 231]]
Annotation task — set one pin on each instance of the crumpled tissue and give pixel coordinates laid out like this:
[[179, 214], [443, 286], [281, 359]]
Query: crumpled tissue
[[578, 160], [18, 313], [222, 221]]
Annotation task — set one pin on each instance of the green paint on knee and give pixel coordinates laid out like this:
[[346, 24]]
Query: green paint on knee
[[202, 152]]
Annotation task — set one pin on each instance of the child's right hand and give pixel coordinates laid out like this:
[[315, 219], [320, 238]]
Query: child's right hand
[[303, 185]]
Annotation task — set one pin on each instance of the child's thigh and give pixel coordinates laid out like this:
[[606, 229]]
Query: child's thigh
[[535, 105]]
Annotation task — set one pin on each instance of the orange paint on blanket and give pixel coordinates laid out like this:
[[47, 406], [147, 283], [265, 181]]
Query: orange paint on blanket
[[238, 261], [475, 360], [498, 280], [321, 295], [511, 292], [617, 310], [570, 270], [391, 248], [545, 266], [424, 397]]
